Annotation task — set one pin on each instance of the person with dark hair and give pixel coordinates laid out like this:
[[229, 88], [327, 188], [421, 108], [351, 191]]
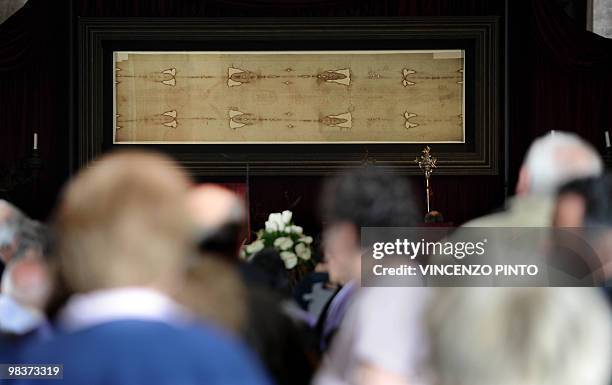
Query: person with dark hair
[[371, 330], [268, 271], [313, 292], [369, 197], [585, 206], [274, 329], [366, 197], [584, 202]]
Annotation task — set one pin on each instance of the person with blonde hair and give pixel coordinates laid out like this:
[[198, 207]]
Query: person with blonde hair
[[520, 336], [123, 241]]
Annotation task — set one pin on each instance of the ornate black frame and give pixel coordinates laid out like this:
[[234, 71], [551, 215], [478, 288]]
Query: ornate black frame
[[479, 36]]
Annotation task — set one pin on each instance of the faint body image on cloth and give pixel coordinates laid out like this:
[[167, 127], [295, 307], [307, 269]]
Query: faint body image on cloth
[[289, 97]]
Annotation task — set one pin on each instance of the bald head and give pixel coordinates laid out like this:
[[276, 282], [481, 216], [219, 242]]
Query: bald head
[[219, 215], [122, 222], [212, 206]]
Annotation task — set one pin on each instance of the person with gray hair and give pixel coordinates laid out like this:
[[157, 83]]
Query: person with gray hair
[[526, 336], [26, 283], [551, 161], [11, 222]]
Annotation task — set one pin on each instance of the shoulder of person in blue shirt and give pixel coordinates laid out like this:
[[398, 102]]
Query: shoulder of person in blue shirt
[[147, 353]]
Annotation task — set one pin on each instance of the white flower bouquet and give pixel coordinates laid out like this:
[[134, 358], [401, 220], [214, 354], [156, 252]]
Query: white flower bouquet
[[281, 233]]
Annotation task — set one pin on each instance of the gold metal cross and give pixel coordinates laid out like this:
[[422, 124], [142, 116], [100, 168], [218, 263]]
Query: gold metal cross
[[427, 163]]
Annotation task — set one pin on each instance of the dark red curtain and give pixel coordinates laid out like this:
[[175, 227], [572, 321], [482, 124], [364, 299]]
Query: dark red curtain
[[560, 77], [571, 47], [34, 78]]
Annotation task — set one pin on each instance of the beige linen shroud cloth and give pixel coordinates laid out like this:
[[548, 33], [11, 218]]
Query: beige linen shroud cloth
[[280, 97]]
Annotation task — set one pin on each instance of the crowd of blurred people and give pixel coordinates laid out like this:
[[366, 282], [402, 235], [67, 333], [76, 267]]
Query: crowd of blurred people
[[136, 279]]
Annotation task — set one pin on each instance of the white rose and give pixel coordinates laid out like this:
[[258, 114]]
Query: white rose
[[271, 226], [255, 247], [283, 243], [302, 251], [277, 218], [296, 229], [286, 216], [289, 258], [306, 240]]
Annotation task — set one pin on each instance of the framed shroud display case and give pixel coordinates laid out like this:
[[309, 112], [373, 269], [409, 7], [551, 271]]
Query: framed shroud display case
[[292, 96]]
